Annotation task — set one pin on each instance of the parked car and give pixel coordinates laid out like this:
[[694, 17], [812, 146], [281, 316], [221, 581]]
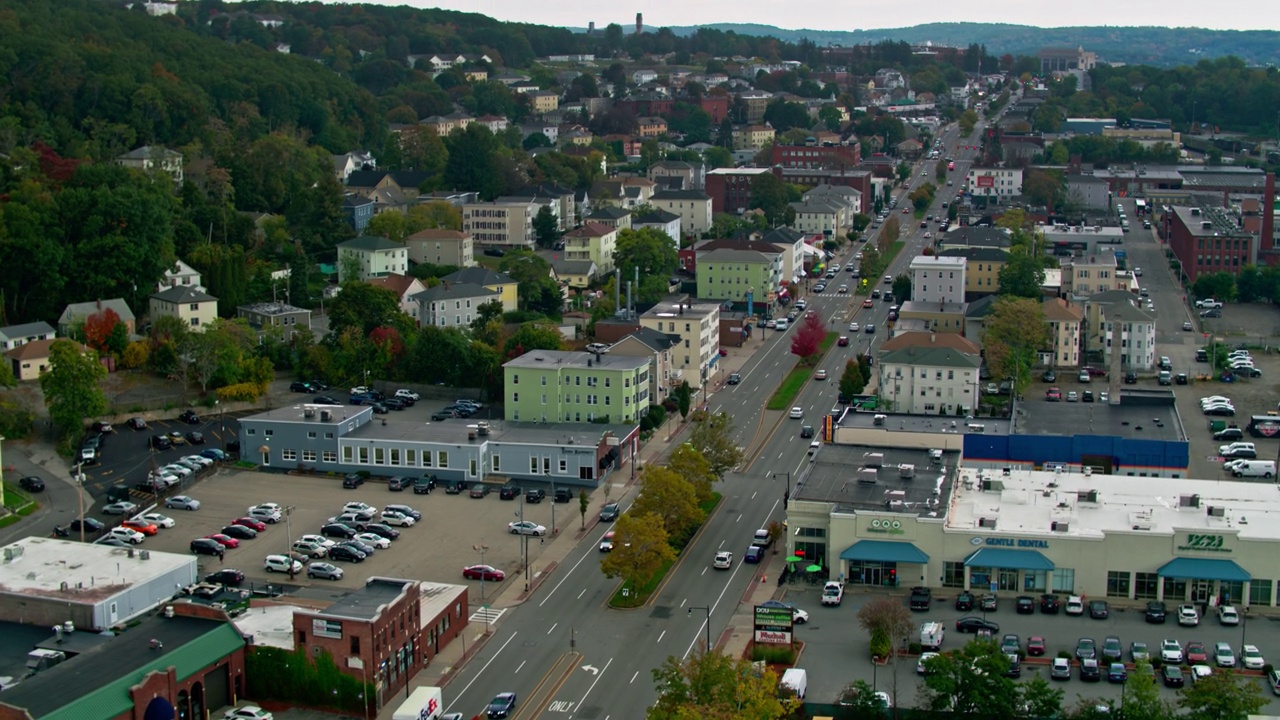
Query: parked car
[[324, 571]]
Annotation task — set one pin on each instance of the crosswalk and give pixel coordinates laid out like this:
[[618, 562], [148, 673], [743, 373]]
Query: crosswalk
[[488, 615]]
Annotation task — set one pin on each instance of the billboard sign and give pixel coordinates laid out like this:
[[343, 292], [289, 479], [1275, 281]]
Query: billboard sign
[[773, 625], [986, 181]]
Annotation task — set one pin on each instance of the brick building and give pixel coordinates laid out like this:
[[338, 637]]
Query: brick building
[[730, 188], [1208, 240], [816, 156]]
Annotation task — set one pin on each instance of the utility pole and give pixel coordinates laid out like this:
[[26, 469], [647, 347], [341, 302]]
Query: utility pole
[[524, 544], [706, 609], [787, 497], [288, 538], [80, 497]]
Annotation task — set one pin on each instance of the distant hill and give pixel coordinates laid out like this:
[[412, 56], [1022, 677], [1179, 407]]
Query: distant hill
[[1158, 46]]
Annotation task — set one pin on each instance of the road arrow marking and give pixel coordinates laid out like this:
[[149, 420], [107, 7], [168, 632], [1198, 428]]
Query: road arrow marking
[[591, 669]]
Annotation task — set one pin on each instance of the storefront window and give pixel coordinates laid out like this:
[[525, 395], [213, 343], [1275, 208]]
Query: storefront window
[[1064, 580], [1260, 592], [1033, 581], [1145, 585], [1175, 590], [1117, 584], [1231, 592], [979, 578], [953, 574], [812, 552]]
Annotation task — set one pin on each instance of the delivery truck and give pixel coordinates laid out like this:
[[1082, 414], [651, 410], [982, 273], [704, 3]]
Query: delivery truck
[[425, 703]]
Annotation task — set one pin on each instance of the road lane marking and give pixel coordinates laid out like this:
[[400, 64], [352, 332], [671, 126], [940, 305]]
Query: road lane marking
[[584, 592], [697, 635], [662, 635], [553, 627], [633, 677], [540, 697], [586, 554], [739, 518], [603, 670], [480, 672], [521, 665]]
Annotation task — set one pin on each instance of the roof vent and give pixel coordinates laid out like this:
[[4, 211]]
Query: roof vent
[[309, 412], [986, 522], [325, 416], [1058, 526], [1217, 511], [1189, 501]]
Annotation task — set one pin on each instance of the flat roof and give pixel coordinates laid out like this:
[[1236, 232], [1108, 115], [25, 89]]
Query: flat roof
[[556, 359], [1029, 502], [902, 422], [81, 572], [837, 476], [1141, 414], [367, 603], [435, 598], [504, 431], [270, 625]]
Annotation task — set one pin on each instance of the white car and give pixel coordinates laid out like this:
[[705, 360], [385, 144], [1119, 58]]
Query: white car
[[182, 502], [526, 527], [1227, 615], [128, 535], [175, 469], [1213, 399], [921, 664], [281, 563], [373, 540], [1223, 655], [359, 507], [854, 327], [320, 540], [1171, 651], [1075, 605], [723, 560], [395, 517], [606, 542], [832, 592], [269, 505], [200, 460], [1251, 658], [407, 394], [359, 390], [1199, 672], [248, 712], [163, 480], [159, 520], [797, 413], [1188, 616], [265, 514]]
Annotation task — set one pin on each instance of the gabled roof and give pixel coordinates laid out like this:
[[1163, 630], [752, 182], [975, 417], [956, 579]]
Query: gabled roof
[[479, 276], [931, 350], [365, 178], [591, 229], [184, 294], [1126, 312], [977, 236], [609, 212], [981, 307], [744, 243], [1059, 310], [85, 309], [985, 254], [783, 235], [150, 152], [13, 332], [734, 256], [657, 216], [37, 349], [395, 282], [953, 341], [370, 243], [654, 340], [439, 234], [454, 291], [574, 267]]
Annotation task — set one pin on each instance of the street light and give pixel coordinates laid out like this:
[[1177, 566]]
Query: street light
[[80, 497], [288, 538], [481, 549], [707, 609], [786, 498]]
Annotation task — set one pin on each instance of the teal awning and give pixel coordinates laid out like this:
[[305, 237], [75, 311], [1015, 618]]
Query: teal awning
[[1185, 568], [884, 551], [1004, 559]]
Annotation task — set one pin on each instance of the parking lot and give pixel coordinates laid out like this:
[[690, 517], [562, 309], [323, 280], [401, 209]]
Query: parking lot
[[837, 651]]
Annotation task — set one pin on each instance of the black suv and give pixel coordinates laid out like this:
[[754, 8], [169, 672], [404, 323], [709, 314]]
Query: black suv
[[161, 442], [1130, 378], [510, 491], [534, 495], [424, 485], [31, 483], [207, 546], [964, 601], [563, 495], [1156, 612], [352, 481], [301, 387], [920, 598], [1049, 604], [1231, 433], [189, 417]]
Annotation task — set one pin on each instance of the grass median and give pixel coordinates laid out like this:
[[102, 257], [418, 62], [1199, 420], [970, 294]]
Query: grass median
[[787, 391], [625, 598], [871, 273]]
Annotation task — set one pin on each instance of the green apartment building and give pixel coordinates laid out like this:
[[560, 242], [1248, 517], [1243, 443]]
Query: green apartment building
[[727, 274], [564, 386]]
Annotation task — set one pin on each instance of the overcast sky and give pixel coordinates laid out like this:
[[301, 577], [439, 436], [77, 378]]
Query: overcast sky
[[862, 14]]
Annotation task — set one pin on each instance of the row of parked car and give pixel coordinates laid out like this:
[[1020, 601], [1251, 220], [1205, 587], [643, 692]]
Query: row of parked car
[[247, 527]]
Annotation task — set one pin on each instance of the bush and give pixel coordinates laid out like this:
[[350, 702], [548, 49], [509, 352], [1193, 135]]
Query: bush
[[773, 654], [1064, 654], [292, 677], [881, 646], [914, 648]]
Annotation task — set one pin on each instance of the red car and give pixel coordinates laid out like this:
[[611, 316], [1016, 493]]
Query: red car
[[868, 304], [225, 541], [141, 526], [1196, 654], [1035, 646], [250, 523], [843, 341], [1094, 371], [1053, 394], [483, 572]]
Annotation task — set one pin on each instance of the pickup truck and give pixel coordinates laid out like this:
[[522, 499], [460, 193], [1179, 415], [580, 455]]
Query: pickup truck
[[920, 598], [1209, 304]]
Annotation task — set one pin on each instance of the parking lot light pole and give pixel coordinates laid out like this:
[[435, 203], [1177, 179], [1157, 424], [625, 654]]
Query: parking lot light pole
[[481, 549], [706, 609], [787, 497], [288, 538], [80, 497]]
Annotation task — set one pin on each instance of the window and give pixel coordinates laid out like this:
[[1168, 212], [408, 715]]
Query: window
[[308, 456], [442, 459], [1260, 592], [411, 458], [379, 456], [311, 434], [533, 465], [1145, 585], [1064, 580], [544, 379], [953, 574], [329, 456], [1117, 584], [289, 455], [515, 397], [426, 458], [564, 466], [497, 463]]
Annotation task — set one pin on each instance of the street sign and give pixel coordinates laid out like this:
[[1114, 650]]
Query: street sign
[[773, 625]]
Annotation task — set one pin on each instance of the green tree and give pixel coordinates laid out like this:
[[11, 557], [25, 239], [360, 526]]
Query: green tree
[[1022, 276], [537, 290], [72, 389], [769, 194], [851, 381], [652, 253], [1223, 695], [1220, 286], [860, 222], [439, 355], [902, 288], [694, 468], [364, 307], [1142, 701], [858, 701], [1042, 700], [473, 162], [536, 335], [1016, 331], [1045, 187], [667, 495], [712, 437], [890, 232], [682, 396], [971, 682], [640, 548], [888, 617], [716, 686], [903, 171], [546, 228]]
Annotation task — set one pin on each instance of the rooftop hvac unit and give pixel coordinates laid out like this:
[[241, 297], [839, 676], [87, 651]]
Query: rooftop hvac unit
[[873, 460], [867, 476], [325, 416], [1058, 526], [1188, 501], [308, 412], [1090, 496], [986, 522], [1216, 511]]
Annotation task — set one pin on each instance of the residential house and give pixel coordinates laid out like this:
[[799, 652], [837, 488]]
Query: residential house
[[347, 163], [405, 287], [557, 197], [660, 220], [576, 274], [501, 283], [847, 196], [755, 102], [693, 207], [610, 215], [995, 183], [679, 175], [495, 123], [18, 335], [152, 158], [569, 386], [752, 137], [443, 125], [628, 192], [937, 279], [1084, 277], [698, 326], [374, 257], [640, 77], [594, 242], [945, 317], [181, 274], [925, 373], [359, 211], [821, 216], [1065, 322], [533, 127], [452, 304], [1113, 321], [76, 313], [288, 318], [30, 360], [651, 127], [973, 236], [500, 224], [394, 190], [544, 101], [982, 269], [656, 346], [439, 246], [194, 307], [731, 274]]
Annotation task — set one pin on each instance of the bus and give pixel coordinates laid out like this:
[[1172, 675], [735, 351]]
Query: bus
[[1139, 207]]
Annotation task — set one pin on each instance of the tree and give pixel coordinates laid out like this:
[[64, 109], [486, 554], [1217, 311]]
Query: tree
[[652, 253], [852, 382], [889, 617], [971, 682], [71, 387], [902, 288], [770, 195], [1042, 700], [99, 327], [1224, 695], [536, 335], [364, 307], [1022, 276], [716, 686], [1016, 330], [546, 228], [1220, 286], [807, 339], [583, 503], [682, 396], [1142, 700], [712, 437], [663, 493], [640, 549], [858, 700], [691, 465], [891, 231], [1044, 187], [538, 292]]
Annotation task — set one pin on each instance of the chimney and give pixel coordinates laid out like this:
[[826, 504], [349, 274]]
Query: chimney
[[1267, 241], [591, 28], [639, 23]]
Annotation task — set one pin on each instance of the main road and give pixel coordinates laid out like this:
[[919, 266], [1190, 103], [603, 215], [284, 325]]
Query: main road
[[565, 653]]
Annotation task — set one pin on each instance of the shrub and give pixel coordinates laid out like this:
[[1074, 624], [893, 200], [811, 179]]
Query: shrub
[[881, 646], [1064, 654], [773, 654], [914, 648]]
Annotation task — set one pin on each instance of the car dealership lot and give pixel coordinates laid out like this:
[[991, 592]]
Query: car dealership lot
[[434, 549]]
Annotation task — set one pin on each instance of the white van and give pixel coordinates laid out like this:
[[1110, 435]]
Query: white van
[[796, 679], [1254, 468], [931, 635], [780, 324]]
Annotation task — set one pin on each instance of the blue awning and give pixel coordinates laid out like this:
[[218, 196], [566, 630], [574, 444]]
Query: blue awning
[[1185, 568], [1008, 559], [884, 551]]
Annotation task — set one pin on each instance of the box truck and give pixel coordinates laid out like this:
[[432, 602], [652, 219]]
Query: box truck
[[425, 703]]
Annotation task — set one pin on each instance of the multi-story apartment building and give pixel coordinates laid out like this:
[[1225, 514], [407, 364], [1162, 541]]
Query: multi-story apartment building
[[452, 304], [1088, 276], [693, 207], [924, 373], [694, 358], [505, 224], [982, 269], [567, 386], [679, 175], [752, 137], [937, 279], [195, 309], [594, 242], [817, 156], [656, 346], [440, 246], [369, 256], [729, 274], [730, 188], [1114, 322], [1065, 322], [995, 183]]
